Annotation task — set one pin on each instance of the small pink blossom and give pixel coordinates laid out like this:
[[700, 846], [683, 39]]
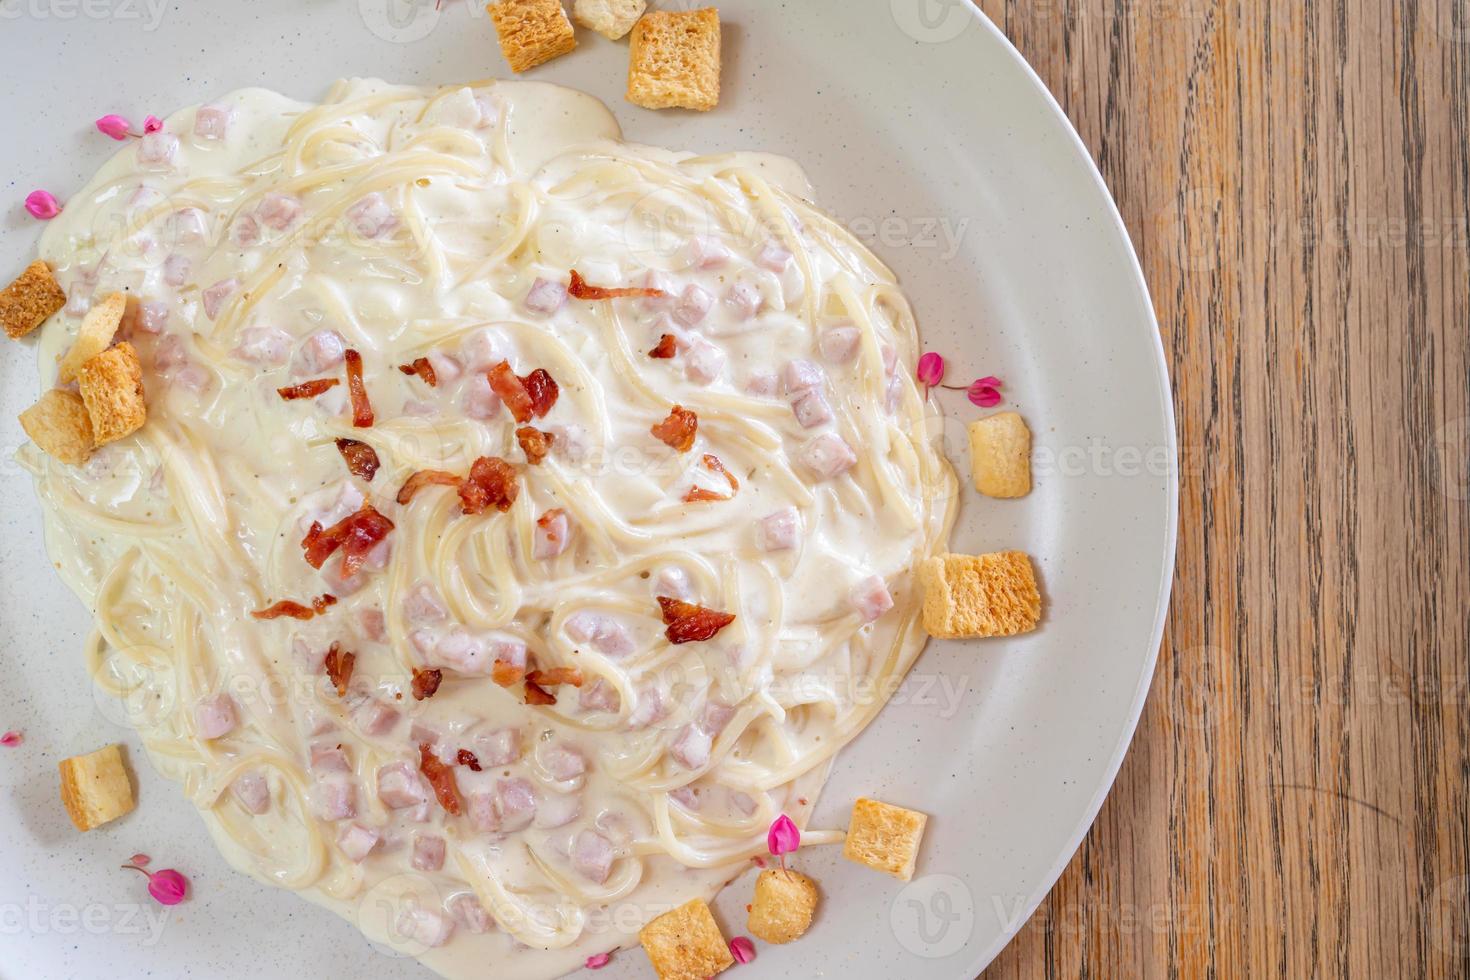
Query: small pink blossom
[[985, 392], [783, 837], [742, 949], [931, 369], [11, 739], [43, 205], [152, 124], [598, 961], [140, 859], [167, 887], [115, 126]]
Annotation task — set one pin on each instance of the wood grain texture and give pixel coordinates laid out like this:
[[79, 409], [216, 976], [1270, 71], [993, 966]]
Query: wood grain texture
[[1295, 176]]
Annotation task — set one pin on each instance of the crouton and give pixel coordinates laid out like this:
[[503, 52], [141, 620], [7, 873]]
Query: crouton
[[98, 328], [1000, 455], [610, 18], [884, 837], [783, 906], [95, 788], [686, 944], [26, 303], [60, 425], [986, 595], [531, 32], [674, 61], [112, 389]]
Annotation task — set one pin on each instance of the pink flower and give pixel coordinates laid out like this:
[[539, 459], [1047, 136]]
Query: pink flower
[[152, 124], [115, 126], [167, 887], [598, 961], [984, 392], [931, 369], [783, 837], [141, 860], [43, 205], [11, 739], [742, 949]]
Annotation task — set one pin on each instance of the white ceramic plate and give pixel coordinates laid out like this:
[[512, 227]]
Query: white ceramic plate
[[927, 134]]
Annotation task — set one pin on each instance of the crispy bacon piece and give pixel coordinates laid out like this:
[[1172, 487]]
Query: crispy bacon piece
[[441, 777], [468, 758], [677, 431], [320, 603], [580, 289], [296, 610], [667, 347], [534, 443], [536, 694], [543, 390], [361, 459], [424, 478], [307, 389], [339, 664], [362, 409], [687, 622], [355, 534], [713, 464], [423, 369], [505, 673], [491, 483], [426, 683], [512, 391], [553, 676]]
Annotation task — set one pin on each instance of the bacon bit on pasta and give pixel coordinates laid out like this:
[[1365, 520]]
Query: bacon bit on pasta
[[491, 483], [362, 409], [424, 478], [296, 610], [677, 431], [361, 459], [713, 464], [667, 347], [505, 673], [426, 683], [553, 676], [355, 534], [536, 694], [687, 622], [320, 603], [468, 758], [441, 777], [543, 390], [512, 391], [423, 369], [307, 389], [580, 289], [339, 664], [534, 443]]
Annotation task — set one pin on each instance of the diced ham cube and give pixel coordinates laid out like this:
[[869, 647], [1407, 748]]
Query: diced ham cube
[[422, 605], [214, 296], [703, 362], [571, 443], [780, 531], [212, 122], [592, 856], [400, 786], [744, 299], [685, 796], [336, 798], [870, 598], [480, 400], [327, 758], [673, 582], [563, 763], [546, 297], [264, 345], [170, 354], [715, 717], [321, 352], [599, 696], [176, 269], [156, 151], [550, 538], [425, 926], [357, 841], [245, 231], [557, 810], [192, 377], [693, 305], [800, 376], [762, 384], [661, 282], [279, 211], [607, 635], [447, 368], [692, 747], [374, 718], [152, 317], [811, 409], [461, 650], [483, 349], [839, 345], [828, 455], [252, 792], [708, 253], [428, 852], [481, 810], [468, 912], [214, 716], [517, 803], [774, 256], [371, 217], [498, 748], [649, 709], [372, 623], [507, 650]]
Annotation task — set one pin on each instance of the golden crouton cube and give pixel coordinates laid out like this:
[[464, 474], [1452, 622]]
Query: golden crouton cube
[[984, 595], [112, 389], [98, 328], [26, 303], [610, 18], [1000, 455], [95, 788], [60, 425], [531, 32], [674, 61], [884, 837], [686, 944], [783, 906]]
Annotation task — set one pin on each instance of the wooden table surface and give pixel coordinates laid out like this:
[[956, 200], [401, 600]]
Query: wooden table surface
[[1294, 176]]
